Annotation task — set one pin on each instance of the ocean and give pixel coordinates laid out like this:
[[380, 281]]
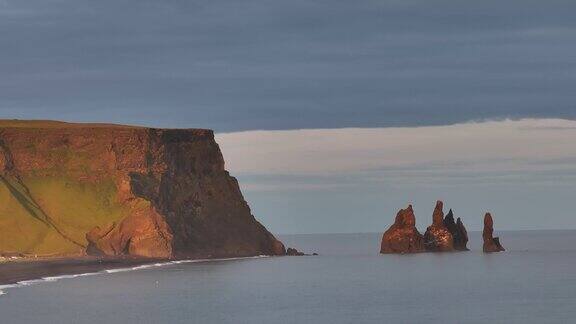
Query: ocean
[[534, 281]]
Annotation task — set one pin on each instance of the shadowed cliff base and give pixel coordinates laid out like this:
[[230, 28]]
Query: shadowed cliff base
[[113, 190]]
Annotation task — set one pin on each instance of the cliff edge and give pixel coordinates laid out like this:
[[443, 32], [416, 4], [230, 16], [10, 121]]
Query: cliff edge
[[72, 189]]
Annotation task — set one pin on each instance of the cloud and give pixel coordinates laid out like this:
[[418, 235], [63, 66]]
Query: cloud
[[259, 64], [491, 146], [355, 180]]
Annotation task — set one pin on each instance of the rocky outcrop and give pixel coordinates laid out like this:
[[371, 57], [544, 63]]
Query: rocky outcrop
[[294, 252], [402, 236], [69, 189], [437, 237], [491, 244], [458, 231]]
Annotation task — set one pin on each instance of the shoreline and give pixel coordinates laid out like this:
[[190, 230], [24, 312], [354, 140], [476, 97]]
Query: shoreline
[[14, 271], [23, 272]]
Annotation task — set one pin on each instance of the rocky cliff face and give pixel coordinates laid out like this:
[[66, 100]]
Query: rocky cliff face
[[437, 237], [491, 244], [117, 190], [403, 236], [458, 231]]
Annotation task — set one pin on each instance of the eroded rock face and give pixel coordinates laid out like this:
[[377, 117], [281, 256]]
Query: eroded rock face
[[437, 237], [127, 191], [403, 236], [491, 244], [458, 231], [142, 233]]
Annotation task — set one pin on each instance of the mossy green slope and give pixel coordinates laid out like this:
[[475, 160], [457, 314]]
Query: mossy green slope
[[51, 215]]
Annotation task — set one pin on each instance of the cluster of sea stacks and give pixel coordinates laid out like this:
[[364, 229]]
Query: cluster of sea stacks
[[444, 235]]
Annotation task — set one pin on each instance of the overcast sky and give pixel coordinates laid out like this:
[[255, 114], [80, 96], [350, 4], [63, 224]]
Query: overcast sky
[[272, 64], [269, 65]]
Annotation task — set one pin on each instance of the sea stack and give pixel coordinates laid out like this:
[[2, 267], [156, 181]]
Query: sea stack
[[458, 231], [403, 236], [437, 237], [491, 244]]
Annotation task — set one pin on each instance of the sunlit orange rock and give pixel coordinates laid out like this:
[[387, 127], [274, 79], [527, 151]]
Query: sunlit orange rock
[[143, 233], [437, 237], [491, 244], [402, 236]]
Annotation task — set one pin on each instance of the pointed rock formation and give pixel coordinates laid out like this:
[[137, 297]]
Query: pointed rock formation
[[458, 231], [437, 237], [491, 244], [463, 236], [402, 236]]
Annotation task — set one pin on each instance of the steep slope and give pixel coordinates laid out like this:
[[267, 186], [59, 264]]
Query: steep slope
[[120, 190]]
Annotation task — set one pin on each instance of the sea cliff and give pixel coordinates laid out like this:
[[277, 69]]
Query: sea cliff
[[76, 189]]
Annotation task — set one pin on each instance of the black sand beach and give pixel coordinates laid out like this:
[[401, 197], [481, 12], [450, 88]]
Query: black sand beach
[[15, 271]]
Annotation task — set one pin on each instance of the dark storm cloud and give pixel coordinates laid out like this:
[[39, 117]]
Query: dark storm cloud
[[236, 65]]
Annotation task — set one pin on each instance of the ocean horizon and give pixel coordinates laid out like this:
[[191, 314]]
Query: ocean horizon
[[531, 282]]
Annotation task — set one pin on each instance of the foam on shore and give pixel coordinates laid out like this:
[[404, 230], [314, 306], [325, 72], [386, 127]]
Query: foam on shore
[[31, 282]]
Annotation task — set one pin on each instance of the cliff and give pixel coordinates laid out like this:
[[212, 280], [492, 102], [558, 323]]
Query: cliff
[[71, 189]]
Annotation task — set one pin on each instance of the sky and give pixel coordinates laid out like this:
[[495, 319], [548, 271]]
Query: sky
[[332, 114]]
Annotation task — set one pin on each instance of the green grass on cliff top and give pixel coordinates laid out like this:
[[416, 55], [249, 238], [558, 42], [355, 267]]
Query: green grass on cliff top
[[17, 123], [54, 124]]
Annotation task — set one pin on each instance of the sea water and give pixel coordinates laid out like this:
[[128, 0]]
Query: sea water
[[534, 281]]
